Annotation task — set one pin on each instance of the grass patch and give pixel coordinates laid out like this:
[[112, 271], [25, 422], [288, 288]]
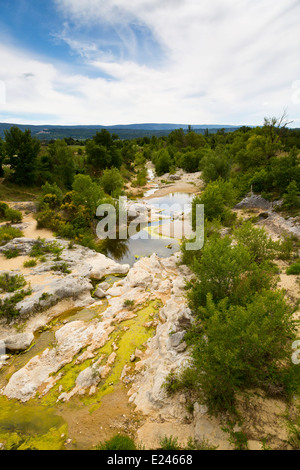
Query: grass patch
[[16, 193]]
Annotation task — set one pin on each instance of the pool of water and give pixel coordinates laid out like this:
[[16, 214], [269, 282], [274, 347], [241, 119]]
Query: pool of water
[[144, 243], [173, 203]]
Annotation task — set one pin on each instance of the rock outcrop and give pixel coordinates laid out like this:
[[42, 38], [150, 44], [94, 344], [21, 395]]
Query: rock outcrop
[[66, 277]]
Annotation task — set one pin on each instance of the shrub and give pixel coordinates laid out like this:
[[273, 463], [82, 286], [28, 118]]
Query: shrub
[[62, 267], [8, 305], [30, 264], [256, 240], [220, 269], [200, 445], [11, 283], [3, 208], [12, 253], [293, 269], [52, 189], [15, 217], [214, 166], [129, 304], [243, 348], [40, 248], [37, 249], [118, 442], [217, 198], [169, 443], [48, 218], [9, 233]]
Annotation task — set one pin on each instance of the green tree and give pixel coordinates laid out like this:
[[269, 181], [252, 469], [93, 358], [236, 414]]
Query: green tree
[[112, 182], [217, 198], [61, 163], [256, 240], [22, 150], [163, 162], [86, 193], [98, 155], [220, 270], [215, 165], [291, 197], [245, 347]]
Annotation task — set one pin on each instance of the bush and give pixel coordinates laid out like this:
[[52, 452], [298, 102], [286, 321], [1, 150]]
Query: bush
[[3, 208], [15, 217], [169, 443], [293, 269], [118, 442], [12, 253], [8, 305], [217, 198], [62, 267], [11, 283], [30, 264], [215, 166], [129, 304], [9, 233], [256, 240], [221, 269], [243, 348], [40, 248]]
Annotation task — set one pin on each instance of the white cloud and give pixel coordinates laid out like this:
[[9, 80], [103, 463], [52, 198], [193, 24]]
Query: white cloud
[[223, 62]]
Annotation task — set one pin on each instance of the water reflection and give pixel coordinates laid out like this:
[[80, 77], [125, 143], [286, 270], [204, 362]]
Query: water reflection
[[142, 243], [115, 249]]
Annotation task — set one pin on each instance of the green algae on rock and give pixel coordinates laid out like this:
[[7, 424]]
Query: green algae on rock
[[30, 427]]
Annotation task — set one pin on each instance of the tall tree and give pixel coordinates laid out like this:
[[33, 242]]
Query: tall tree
[[61, 163], [22, 150]]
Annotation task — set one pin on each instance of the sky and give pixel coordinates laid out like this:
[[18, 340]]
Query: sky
[[108, 62]]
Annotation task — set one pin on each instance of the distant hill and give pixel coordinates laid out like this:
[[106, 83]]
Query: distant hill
[[124, 131]]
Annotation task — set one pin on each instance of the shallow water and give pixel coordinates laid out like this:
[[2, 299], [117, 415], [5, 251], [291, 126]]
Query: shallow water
[[145, 244]]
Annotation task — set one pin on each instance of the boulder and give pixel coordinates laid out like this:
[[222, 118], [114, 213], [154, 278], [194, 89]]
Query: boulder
[[101, 266], [254, 202], [138, 277], [19, 342], [88, 377], [99, 293]]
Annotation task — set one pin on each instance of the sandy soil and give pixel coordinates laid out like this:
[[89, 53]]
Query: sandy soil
[[14, 264], [31, 231], [151, 433], [87, 429]]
